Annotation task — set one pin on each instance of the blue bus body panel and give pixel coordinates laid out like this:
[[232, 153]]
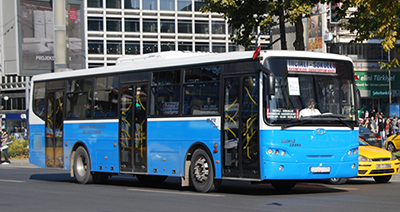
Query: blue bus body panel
[[308, 148], [37, 145], [169, 141], [101, 140]]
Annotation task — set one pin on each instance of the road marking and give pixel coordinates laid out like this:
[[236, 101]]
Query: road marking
[[177, 192], [11, 181]]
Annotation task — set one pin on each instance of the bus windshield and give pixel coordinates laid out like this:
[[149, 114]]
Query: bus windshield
[[311, 91]]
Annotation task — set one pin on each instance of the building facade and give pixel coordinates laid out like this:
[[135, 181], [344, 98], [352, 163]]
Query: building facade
[[98, 33]]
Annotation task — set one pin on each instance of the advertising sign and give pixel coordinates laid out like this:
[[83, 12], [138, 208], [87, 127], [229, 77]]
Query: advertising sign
[[38, 40], [377, 81], [315, 41]]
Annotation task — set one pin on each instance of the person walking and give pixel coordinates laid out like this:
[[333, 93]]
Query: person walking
[[381, 130], [5, 141], [395, 123]]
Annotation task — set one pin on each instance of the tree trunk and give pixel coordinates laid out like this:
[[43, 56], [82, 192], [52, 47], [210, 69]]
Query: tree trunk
[[282, 27], [299, 42]]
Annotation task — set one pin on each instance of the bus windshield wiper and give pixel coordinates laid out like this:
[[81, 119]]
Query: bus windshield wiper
[[301, 122], [338, 118]]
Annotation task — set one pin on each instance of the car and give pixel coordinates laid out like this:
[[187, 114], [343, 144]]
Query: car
[[373, 162], [392, 143], [373, 139]]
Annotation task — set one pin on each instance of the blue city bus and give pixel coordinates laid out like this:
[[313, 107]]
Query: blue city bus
[[276, 117]]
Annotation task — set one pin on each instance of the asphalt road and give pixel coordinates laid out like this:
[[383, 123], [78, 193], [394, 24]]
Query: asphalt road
[[25, 187]]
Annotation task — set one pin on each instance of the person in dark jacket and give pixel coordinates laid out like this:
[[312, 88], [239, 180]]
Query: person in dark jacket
[[5, 141]]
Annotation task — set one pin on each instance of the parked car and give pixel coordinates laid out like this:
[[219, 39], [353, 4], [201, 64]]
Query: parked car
[[393, 142], [373, 139], [373, 162]]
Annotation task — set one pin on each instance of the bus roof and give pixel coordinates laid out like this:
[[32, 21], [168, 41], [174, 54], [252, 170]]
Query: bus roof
[[178, 58]]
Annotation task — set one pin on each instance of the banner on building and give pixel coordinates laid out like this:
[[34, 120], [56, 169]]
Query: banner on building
[[37, 36]]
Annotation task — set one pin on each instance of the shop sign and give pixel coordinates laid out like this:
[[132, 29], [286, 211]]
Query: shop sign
[[378, 81], [374, 93]]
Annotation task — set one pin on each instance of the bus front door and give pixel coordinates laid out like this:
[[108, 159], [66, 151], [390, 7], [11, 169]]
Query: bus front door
[[54, 129], [241, 127], [133, 128]]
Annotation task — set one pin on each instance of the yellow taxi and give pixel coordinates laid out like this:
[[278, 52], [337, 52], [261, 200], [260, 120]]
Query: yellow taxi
[[373, 162], [393, 142]]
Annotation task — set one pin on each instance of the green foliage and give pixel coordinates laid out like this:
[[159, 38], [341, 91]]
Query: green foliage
[[397, 154], [374, 19], [246, 16], [18, 148]]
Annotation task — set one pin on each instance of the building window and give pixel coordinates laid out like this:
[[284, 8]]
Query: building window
[[132, 47], [95, 47], [198, 4], [167, 5], [132, 4], [114, 24], [95, 23], [167, 46], [218, 47], [184, 26], [95, 3], [114, 47], [185, 46], [167, 25], [113, 4], [149, 25], [149, 4], [184, 5], [202, 47], [218, 27], [150, 46], [95, 65], [201, 27], [132, 25]]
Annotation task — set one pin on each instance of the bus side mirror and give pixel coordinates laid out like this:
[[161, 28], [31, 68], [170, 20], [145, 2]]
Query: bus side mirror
[[358, 99], [270, 85]]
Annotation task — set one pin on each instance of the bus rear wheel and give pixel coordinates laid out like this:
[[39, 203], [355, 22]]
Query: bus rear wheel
[[202, 172], [82, 167]]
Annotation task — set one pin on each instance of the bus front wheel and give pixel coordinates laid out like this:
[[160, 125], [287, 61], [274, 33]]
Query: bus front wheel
[[202, 172], [82, 167]]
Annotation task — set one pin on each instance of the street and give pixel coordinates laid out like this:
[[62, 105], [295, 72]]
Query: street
[[25, 187]]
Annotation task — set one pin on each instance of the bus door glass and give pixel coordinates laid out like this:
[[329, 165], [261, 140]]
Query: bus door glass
[[54, 129], [241, 130], [133, 128]]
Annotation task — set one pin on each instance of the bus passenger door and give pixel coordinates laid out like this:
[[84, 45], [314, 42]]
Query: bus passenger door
[[133, 128], [54, 129], [241, 131]]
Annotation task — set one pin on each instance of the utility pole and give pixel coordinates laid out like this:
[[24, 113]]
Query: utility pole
[[60, 34], [390, 81]]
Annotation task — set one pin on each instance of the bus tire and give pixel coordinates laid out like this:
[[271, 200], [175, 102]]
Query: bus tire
[[202, 172], [82, 167], [337, 181], [283, 185]]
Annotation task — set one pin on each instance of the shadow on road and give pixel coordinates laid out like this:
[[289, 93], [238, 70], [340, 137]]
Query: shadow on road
[[172, 184]]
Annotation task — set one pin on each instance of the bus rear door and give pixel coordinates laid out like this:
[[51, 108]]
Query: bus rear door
[[54, 129]]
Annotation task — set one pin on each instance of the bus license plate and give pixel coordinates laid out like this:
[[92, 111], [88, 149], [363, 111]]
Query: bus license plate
[[321, 169], [383, 166]]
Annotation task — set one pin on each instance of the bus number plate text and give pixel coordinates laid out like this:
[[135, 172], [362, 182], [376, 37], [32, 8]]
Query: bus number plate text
[[321, 170]]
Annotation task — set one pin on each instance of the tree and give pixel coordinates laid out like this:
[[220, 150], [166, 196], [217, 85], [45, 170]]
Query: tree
[[374, 19], [246, 15]]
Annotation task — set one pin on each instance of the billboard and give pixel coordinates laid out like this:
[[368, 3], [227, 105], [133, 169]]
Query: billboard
[[37, 36]]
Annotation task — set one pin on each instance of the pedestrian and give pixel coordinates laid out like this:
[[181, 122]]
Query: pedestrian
[[381, 127], [395, 123], [5, 141], [374, 127]]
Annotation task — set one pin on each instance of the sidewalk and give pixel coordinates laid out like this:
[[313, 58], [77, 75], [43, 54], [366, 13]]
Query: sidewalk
[[20, 162]]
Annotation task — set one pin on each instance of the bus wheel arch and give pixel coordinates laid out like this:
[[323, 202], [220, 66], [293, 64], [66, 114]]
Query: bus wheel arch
[[201, 169]]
